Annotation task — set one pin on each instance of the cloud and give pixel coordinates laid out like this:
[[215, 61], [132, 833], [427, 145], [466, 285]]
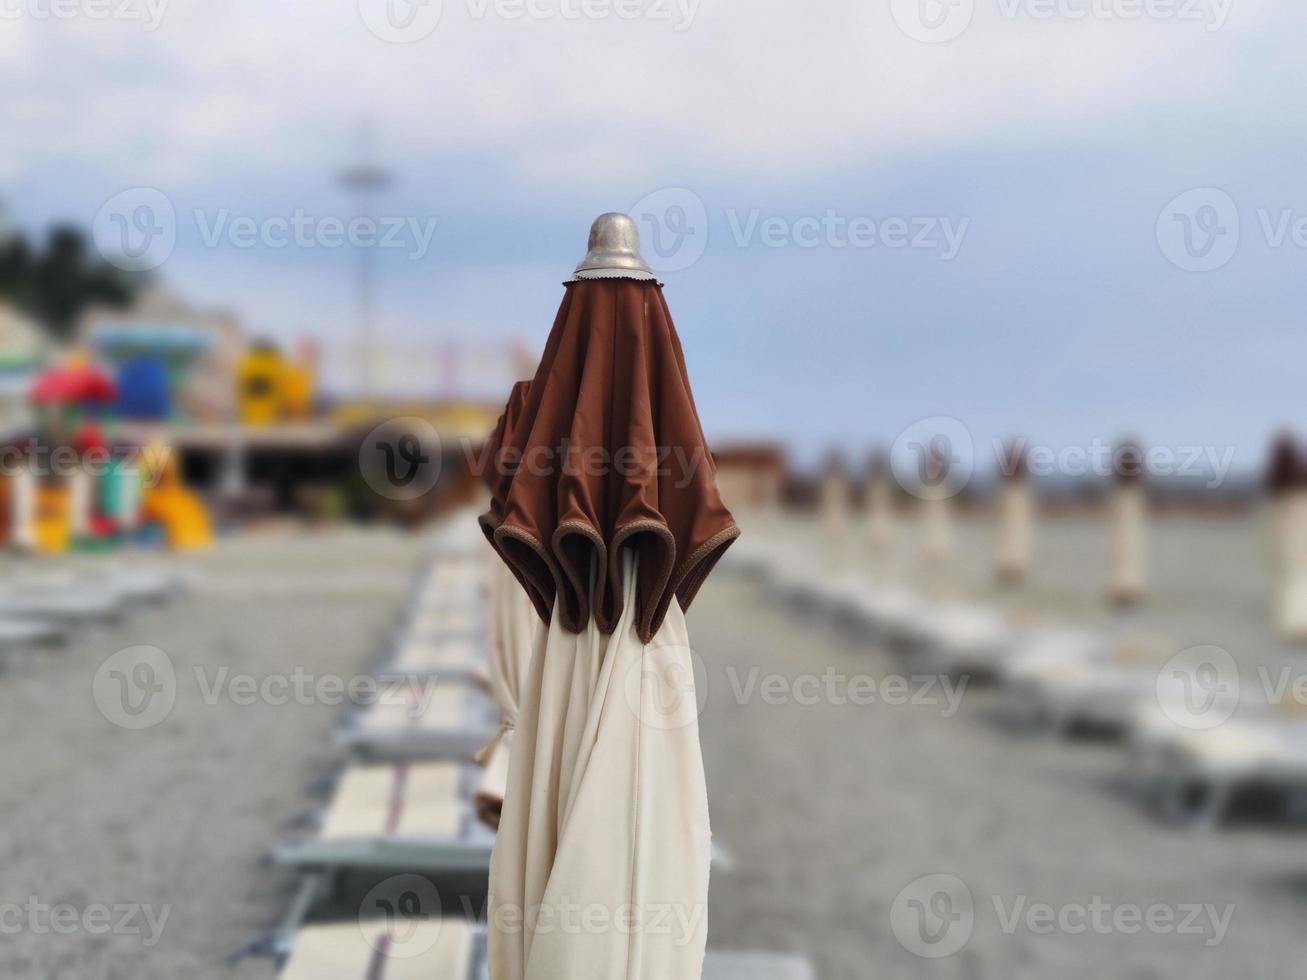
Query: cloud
[[762, 88]]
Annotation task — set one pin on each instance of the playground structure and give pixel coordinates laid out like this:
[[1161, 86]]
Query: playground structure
[[69, 487]]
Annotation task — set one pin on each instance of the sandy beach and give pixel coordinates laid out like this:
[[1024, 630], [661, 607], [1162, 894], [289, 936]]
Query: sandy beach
[[827, 808]]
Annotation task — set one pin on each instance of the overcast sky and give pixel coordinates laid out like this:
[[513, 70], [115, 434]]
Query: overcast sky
[[865, 212]]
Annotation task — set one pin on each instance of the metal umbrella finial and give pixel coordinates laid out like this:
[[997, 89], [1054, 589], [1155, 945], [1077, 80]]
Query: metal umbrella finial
[[613, 250]]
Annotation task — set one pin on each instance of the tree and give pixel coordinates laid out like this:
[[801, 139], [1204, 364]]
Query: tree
[[56, 284]]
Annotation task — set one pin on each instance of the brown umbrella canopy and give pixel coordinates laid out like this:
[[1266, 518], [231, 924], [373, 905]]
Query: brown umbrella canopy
[[496, 473], [606, 452]]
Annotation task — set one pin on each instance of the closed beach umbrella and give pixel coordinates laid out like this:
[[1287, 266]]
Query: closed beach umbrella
[[1016, 518], [880, 508], [512, 625], [1126, 516], [1288, 486], [836, 504], [611, 522]]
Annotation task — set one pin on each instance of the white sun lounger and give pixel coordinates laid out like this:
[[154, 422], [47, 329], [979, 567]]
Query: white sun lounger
[[755, 966], [454, 658], [427, 949], [15, 633], [431, 720], [126, 584], [1035, 650], [896, 614], [1191, 775], [962, 638], [1061, 695], [1056, 679], [446, 621], [453, 949], [79, 604], [398, 818]]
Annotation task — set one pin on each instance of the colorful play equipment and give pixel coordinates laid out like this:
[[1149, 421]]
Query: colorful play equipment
[[70, 487], [167, 502], [271, 388], [152, 365]]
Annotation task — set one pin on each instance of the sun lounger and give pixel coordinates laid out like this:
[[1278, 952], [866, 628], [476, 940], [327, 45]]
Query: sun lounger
[[79, 604], [454, 658], [15, 633], [1034, 650], [1191, 775], [755, 966], [895, 614], [428, 719], [961, 638], [453, 949], [448, 621], [426, 949], [398, 818], [1055, 679]]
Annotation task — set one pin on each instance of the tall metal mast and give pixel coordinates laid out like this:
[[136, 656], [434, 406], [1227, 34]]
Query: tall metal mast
[[365, 179]]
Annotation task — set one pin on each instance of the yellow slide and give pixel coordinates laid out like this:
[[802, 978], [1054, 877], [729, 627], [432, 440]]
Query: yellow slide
[[181, 513]]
